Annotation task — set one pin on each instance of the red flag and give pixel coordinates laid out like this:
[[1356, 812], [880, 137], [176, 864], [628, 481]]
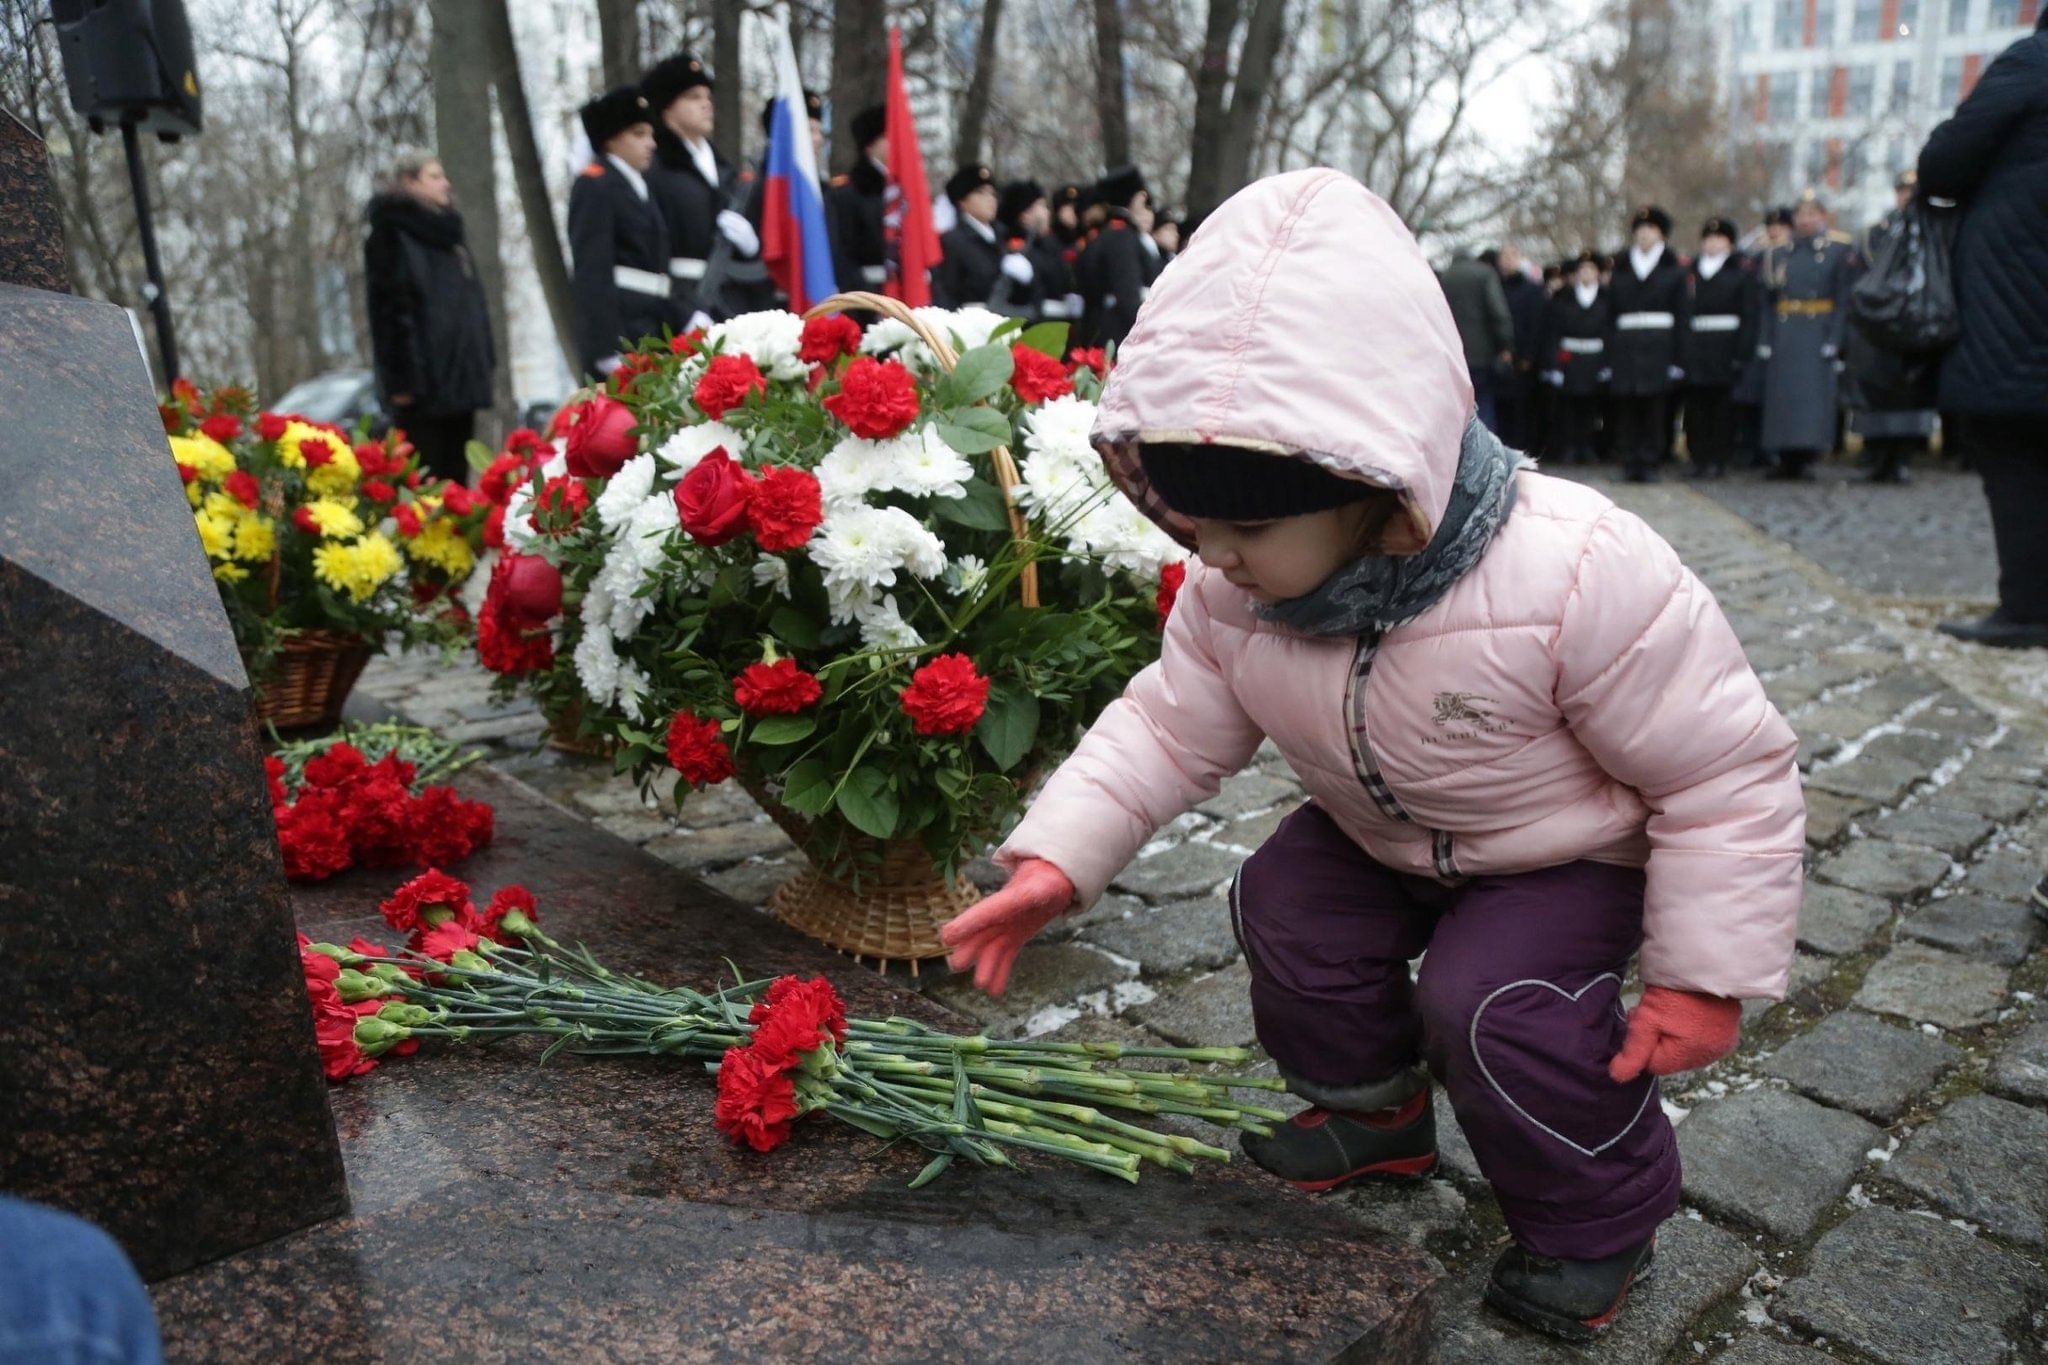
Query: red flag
[[909, 214]]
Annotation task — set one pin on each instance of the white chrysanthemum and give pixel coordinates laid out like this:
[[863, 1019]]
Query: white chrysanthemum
[[846, 601], [625, 491], [648, 531], [1126, 539], [853, 469], [1062, 426], [681, 451], [635, 558], [923, 465], [965, 575], [772, 571], [519, 533], [886, 335], [772, 338], [596, 659], [555, 466], [882, 627], [865, 546], [478, 583], [963, 330], [1057, 487], [633, 689], [966, 328]]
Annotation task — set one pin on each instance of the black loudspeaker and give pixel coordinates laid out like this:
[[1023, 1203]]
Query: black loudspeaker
[[129, 61]]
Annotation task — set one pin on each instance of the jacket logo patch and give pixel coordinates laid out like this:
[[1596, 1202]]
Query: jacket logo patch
[[1463, 715]]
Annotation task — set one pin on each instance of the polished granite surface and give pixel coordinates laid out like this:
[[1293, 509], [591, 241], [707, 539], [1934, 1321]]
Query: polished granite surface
[[503, 1211]]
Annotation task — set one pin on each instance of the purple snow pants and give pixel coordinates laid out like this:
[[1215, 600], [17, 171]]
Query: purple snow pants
[[1516, 1009]]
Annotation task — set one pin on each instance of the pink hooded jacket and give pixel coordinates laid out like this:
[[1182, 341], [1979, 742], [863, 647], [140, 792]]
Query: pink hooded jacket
[[1577, 694]]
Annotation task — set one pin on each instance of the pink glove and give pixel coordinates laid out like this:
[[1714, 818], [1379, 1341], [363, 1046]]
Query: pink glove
[[988, 934], [1672, 1030]]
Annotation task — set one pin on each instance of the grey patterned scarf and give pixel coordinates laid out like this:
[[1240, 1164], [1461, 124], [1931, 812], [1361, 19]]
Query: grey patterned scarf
[[1379, 592]]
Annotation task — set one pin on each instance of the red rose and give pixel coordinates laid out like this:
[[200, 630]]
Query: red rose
[[376, 490], [1036, 376], [558, 508], [827, 338], [408, 907], [494, 527], [222, 426], [1170, 579], [336, 765], [408, 518], [876, 398], [1088, 358], [600, 437], [946, 696], [334, 1029], [312, 837], [445, 828], [504, 474], [527, 590], [756, 1102], [726, 382], [783, 507], [777, 689], [696, 751], [270, 425], [712, 498]]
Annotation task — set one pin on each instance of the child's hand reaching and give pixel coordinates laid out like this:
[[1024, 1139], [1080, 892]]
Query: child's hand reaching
[[1671, 1031], [989, 933]]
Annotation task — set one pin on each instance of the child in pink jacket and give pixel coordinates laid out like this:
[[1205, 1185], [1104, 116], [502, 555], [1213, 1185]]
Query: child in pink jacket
[[1532, 745]]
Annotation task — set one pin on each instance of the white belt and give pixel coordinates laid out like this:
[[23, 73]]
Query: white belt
[[640, 281], [874, 274], [1644, 322], [1716, 322], [1583, 345], [1055, 308], [687, 267]]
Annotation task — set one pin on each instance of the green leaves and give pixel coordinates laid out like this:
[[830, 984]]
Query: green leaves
[[478, 455], [773, 730], [807, 788], [974, 431], [868, 802], [1009, 725], [981, 373], [1047, 338], [981, 508], [794, 628]]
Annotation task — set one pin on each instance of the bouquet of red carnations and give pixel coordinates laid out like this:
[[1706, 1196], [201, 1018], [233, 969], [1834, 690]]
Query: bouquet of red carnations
[[781, 1049], [340, 803]]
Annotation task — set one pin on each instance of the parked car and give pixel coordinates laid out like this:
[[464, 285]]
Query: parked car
[[342, 397]]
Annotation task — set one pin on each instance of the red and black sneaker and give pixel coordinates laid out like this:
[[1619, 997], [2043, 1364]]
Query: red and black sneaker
[[1575, 1300], [1320, 1149]]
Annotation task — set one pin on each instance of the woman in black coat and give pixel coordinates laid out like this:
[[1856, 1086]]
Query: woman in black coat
[[430, 328], [1991, 156]]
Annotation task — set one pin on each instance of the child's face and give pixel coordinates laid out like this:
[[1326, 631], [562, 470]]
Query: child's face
[[1276, 560]]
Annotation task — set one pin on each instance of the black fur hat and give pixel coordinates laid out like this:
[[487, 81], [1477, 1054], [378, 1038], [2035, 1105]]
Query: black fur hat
[[670, 77]]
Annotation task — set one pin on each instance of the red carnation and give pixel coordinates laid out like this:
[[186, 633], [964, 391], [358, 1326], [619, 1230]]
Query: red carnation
[[457, 500], [222, 426], [316, 966], [312, 836], [273, 778], [528, 444], [686, 343], [827, 338], [1036, 376], [408, 518], [777, 689], [503, 902], [243, 488], [445, 940], [727, 381], [946, 696], [302, 519], [696, 751], [783, 507], [376, 490], [600, 438], [318, 448], [378, 810], [187, 474], [510, 649], [502, 475], [334, 1029], [630, 369], [711, 501], [270, 425], [1088, 358], [876, 398], [172, 416], [796, 1017], [756, 1102], [372, 461], [408, 908], [558, 509], [445, 828], [1170, 579], [186, 392], [494, 527], [336, 765]]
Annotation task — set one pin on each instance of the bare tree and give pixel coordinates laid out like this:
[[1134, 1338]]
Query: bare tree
[[980, 86], [542, 238], [618, 37], [860, 54], [462, 132], [1230, 105], [1111, 111], [728, 94]]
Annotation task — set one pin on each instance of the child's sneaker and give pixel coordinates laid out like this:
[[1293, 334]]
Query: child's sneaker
[[1320, 1149], [1576, 1300]]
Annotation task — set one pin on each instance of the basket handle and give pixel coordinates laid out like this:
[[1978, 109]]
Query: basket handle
[[1007, 478]]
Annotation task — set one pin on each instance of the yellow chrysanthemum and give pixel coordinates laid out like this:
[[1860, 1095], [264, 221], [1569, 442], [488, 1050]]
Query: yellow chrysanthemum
[[357, 568], [223, 507], [230, 572], [441, 545], [335, 517], [195, 492], [199, 451], [255, 538], [216, 534], [338, 476]]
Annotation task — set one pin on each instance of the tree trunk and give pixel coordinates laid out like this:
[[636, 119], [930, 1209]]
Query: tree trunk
[[1205, 162], [860, 57], [1109, 83], [728, 95], [1248, 96], [974, 108], [310, 358], [502, 56], [462, 137], [618, 38]]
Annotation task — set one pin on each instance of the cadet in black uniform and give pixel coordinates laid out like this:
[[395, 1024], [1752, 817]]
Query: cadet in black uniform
[[858, 201], [1117, 266], [1719, 342], [974, 259], [617, 236], [1571, 347], [692, 184], [1748, 394], [1648, 294], [1024, 219]]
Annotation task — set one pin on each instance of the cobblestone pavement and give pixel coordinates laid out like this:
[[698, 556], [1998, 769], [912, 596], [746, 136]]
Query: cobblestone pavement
[[1864, 1179]]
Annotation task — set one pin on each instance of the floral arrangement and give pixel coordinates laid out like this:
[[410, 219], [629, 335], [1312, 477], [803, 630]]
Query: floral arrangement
[[781, 549], [309, 529], [781, 1049], [337, 807]]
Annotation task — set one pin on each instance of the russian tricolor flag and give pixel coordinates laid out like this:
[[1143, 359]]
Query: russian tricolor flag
[[794, 243]]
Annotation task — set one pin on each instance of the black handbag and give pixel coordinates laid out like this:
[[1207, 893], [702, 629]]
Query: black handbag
[[1906, 300]]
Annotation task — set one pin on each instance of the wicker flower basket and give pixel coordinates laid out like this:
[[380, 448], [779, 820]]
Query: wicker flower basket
[[310, 679], [896, 914]]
